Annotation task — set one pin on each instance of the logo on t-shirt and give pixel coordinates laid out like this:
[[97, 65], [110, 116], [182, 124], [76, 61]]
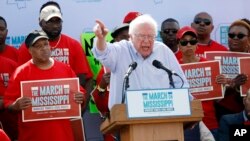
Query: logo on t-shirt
[[5, 77], [61, 54]]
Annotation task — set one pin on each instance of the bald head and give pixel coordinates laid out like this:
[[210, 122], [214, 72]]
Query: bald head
[[204, 14]]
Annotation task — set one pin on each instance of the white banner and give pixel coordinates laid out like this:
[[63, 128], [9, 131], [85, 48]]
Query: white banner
[[79, 15], [158, 103]]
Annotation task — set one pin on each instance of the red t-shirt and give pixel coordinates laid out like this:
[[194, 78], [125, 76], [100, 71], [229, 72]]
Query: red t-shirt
[[10, 52], [232, 101], [178, 55], [212, 46], [8, 66], [208, 107], [101, 101], [66, 50], [8, 120], [3, 136], [39, 130]]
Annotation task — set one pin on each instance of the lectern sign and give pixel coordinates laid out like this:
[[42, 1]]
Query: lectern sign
[[158, 103]]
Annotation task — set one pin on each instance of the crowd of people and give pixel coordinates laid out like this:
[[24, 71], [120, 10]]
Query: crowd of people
[[50, 54]]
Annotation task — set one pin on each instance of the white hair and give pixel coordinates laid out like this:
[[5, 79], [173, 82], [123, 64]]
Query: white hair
[[142, 19]]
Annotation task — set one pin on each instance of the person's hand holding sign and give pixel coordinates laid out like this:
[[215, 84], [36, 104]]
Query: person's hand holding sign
[[21, 103], [80, 99], [239, 80]]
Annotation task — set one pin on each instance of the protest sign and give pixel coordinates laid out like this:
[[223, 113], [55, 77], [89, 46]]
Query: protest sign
[[51, 99], [229, 61], [201, 78], [244, 69]]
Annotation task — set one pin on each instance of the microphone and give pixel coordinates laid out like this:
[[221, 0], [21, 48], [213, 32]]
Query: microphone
[[125, 84], [159, 65], [131, 67]]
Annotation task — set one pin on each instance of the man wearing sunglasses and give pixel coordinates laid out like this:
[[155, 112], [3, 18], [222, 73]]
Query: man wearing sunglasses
[[203, 24], [169, 28]]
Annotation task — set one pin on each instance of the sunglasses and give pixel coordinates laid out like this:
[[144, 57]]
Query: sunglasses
[[205, 21], [191, 42], [239, 36], [167, 31]]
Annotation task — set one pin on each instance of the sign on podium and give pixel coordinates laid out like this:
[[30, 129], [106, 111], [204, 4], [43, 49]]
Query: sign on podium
[[158, 103], [153, 122]]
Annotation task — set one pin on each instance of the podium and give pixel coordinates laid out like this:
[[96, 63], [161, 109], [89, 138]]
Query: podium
[[150, 129]]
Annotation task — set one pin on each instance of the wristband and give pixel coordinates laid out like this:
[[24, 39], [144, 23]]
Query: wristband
[[100, 89]]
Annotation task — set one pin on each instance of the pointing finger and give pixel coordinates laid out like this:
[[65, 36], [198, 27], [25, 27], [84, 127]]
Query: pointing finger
[[101, 24]]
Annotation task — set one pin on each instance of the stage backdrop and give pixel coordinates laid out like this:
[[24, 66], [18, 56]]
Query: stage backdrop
[[79, 15]]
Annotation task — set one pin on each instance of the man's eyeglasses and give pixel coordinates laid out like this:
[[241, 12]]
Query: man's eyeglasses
[[143, 37], [239, 36], [167, 31], [207, 22], [191, 42]]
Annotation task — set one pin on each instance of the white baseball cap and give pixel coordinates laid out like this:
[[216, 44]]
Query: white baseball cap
[[49, 12]]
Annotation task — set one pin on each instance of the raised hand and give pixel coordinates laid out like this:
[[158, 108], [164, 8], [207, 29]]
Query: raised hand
[[100, 30]]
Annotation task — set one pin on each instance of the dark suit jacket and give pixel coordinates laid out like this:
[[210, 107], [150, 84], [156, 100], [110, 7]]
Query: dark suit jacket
[[226, 121]]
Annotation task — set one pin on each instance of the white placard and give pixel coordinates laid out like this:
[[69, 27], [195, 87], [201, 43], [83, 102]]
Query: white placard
[[158, 103]]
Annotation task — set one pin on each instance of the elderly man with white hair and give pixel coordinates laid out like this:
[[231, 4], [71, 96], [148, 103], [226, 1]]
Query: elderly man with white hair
[[142, 49]]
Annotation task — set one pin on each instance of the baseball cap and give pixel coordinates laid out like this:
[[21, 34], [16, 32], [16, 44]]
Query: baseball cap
[[131, 16], [49, 12], [35, 36], [118, 29], [185, 30]]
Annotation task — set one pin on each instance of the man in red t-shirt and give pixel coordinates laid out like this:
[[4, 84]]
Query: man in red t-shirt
[[8, 120], [44, 67], [6, 50], [203, 24], [63, 48]]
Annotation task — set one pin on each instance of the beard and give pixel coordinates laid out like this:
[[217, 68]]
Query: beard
[[53, 34], [2, 40]]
